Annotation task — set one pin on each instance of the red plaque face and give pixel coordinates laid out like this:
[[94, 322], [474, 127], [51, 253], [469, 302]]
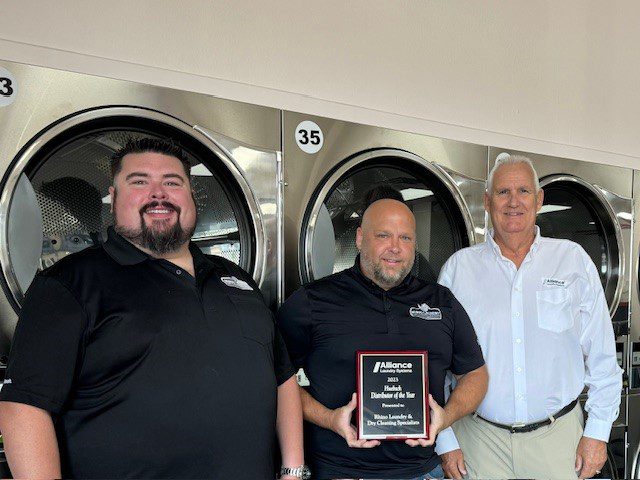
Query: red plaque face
[[393, 392]]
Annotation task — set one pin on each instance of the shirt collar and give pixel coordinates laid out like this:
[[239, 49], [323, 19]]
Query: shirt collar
[[122, 250], [370, 284], [496, 249], [201, 263]]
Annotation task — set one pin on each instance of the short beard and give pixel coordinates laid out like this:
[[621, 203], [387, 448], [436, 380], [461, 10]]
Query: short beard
[[159, 243], [380, 277]]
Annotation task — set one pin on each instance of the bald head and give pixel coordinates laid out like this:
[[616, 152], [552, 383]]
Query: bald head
[[386, 208], [387, 241]]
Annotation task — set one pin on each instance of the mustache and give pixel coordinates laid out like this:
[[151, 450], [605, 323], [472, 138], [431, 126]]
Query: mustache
[[156, 204]]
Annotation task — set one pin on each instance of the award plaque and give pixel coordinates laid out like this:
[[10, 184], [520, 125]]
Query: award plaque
[[393, 390]]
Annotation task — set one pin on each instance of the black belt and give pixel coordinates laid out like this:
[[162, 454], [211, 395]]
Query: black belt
[[521, 428]]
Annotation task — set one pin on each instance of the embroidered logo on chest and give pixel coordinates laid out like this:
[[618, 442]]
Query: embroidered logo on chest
[[236, 283], [425, 312], [553, 282]]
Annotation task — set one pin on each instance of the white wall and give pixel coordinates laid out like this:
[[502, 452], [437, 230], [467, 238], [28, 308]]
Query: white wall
[[552, 77]]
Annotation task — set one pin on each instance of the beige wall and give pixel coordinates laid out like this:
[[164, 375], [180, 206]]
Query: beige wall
[[554, 77]]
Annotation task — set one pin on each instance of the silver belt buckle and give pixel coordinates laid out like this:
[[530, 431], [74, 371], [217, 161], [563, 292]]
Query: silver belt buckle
[[517, 425]]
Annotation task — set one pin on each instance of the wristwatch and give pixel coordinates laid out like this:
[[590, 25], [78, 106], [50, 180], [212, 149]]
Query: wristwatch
[[302, 472]]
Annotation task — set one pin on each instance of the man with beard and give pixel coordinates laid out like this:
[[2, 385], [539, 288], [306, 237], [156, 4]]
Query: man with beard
[[144, 358], [371, 306]]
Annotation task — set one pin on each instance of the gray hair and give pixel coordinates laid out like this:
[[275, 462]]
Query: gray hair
[[507, 159]]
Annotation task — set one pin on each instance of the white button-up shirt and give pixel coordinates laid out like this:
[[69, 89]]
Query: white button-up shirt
[[544, 330]]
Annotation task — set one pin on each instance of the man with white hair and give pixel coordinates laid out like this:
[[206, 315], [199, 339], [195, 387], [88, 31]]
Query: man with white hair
[[542, 321]]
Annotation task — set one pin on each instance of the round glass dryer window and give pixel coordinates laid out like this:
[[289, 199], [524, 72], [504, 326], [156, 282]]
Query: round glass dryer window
[[329, 246], [574, 211], [68, 206]]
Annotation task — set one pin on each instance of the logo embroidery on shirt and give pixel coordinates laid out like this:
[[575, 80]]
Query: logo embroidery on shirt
[[425, 312], [7, 381], [553, 282], [236, 283]]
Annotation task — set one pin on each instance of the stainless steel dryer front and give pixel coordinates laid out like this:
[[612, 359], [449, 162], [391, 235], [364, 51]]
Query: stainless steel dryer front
[[59, 130], [634, 340], [329, 166]]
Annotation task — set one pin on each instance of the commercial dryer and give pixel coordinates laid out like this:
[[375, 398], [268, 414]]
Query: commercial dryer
[[330, 165], [591, 204], [59, 130], [634, 339]]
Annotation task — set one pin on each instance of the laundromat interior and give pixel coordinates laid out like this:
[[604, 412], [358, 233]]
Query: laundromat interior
[[290, 111]]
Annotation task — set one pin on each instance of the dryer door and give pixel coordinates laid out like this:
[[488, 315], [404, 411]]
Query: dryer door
[[443, 221], [590, 216], [67, 170]]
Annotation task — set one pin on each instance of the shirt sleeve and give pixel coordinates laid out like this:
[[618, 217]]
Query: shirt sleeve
[[603, 375], [446, 441], [467, 354], [294, 321], [46, 347]]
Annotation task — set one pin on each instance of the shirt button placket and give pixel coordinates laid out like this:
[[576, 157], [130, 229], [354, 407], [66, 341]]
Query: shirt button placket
[[517, 331], [392, 323]]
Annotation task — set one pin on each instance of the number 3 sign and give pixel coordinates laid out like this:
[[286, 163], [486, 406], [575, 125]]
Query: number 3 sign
[[309, 137], [8, 87]]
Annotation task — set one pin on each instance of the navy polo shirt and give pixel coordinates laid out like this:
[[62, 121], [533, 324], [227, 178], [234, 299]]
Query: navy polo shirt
[[326, 322], [147, 371]]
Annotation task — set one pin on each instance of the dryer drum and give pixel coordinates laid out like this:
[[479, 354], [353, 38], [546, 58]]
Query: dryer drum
[[69, 174], [578, 211], [330, 224]]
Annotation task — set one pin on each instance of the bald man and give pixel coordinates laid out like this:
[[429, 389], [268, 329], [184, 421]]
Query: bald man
[[376, 305]]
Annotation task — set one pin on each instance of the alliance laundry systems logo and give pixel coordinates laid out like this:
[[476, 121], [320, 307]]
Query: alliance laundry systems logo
[[393, 367], [425, 312]]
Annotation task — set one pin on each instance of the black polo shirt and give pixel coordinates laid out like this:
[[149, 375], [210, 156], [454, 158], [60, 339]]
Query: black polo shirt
[[326, 322], [147, 371]]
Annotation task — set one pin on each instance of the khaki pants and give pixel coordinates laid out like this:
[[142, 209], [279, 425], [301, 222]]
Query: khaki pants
[[548, 452]]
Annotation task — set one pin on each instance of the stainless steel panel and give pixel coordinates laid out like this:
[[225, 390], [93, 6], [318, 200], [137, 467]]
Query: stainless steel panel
[[635, 255], [245, 137], [633, 459], [464, 163], [46, 95], [615, 466]]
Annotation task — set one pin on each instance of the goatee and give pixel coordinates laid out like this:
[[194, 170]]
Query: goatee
[[157, 241], [380, 276]]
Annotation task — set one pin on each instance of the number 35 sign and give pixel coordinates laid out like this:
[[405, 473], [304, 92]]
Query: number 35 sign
[[309, 137], [8, 88]]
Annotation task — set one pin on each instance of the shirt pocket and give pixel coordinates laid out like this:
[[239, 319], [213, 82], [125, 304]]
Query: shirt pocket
[[554, 309], [256, 321]]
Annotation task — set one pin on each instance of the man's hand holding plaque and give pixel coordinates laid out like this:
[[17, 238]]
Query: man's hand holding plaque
[[437, 423], [341, 424]]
